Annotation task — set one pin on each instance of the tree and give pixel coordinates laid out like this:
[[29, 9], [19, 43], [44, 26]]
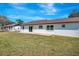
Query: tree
[[4, 20], [74, 13], [19, 21]]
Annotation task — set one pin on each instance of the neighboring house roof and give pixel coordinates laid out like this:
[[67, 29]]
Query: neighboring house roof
[[58, 21], [10, 25], [4, 20]]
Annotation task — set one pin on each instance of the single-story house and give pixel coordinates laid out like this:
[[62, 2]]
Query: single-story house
[[65, 27]]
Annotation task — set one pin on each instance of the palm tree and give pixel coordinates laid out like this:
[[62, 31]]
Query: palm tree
[[19, 21]]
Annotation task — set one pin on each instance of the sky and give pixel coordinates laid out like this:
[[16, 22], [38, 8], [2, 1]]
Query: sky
[[37, 11]]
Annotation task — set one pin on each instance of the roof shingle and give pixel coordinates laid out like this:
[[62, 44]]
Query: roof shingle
[[58, 21]]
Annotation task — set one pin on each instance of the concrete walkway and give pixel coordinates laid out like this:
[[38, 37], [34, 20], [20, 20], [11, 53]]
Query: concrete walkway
[[45, 34]]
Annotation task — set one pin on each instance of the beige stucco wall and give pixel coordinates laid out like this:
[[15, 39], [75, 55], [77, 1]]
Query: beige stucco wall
[[71, 29]]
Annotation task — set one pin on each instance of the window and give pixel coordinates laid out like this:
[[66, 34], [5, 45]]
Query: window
[[9, 27], [63, 26], [47, 27], [50, 27], [40, 27], [23, 27]]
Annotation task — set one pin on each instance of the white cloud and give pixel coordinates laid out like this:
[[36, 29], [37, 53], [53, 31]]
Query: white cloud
[[17, 6], [36, 18], [14, 16], [48, 8], [65, 16], [33, 17], [20, 6], [26, 17]]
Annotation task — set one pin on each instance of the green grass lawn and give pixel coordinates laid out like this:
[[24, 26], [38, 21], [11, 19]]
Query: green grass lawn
[[12, 43]]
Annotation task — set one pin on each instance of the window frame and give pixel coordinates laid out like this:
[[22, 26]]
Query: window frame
[[23, 27], [40, 27], [50, 27], [63, 25]]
